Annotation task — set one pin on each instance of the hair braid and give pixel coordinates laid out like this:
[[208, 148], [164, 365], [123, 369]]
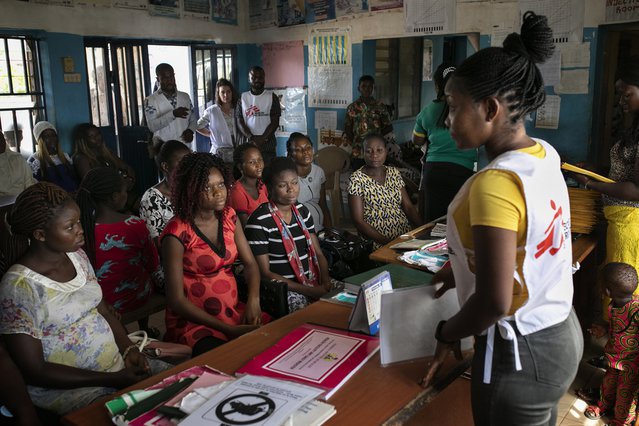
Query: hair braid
[[34, 208], [510, 72], [189, 180], [96, 188]]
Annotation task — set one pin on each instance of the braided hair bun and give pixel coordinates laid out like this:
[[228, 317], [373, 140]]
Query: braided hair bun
[[535, 41], [510, 73]]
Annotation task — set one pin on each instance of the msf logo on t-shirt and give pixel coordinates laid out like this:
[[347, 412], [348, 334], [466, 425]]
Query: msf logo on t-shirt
[[253, 111], [555, 234]]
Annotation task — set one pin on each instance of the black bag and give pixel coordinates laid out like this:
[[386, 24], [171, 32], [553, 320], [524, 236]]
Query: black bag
[[346, 253], [273, 296]]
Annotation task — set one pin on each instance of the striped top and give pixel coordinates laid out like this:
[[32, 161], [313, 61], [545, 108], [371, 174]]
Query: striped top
[[264, 238]]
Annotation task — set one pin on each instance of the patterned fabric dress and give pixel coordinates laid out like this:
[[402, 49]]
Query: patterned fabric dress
[[59, 174], [156, 210], [620, 383], [65, 319], [382, 203], [209, 283], [126, 261], [364, 117]]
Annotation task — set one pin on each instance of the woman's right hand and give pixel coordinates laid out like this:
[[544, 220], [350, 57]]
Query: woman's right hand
[[130, 376], [317, 292], [238, 330], [446, 276]]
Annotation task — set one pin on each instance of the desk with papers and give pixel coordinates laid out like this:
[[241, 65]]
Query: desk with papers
[[372, 396]]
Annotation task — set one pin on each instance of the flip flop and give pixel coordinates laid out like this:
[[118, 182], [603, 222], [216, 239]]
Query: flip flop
[[593, 412]]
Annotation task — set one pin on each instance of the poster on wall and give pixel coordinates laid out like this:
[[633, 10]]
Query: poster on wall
[[66, 3], [131, 4], [350, 7], [548, 113], [565, 17], [330, 86], [262, 14], [93, 3], [165, 8], [196, 9], [620, 11], [319, 10], [290, 12], [283, 63], [329, 46], [293, 118], [376, 5], [329, 137], [224, 11], [429, 17]]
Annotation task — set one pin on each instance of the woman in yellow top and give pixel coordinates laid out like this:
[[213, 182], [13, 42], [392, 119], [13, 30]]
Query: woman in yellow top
[[509, 240]]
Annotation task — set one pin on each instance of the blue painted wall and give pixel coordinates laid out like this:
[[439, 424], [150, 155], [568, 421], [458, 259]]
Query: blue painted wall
[[67, 103]]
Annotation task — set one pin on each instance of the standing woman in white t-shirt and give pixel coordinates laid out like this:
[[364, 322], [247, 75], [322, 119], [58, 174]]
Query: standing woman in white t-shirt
[[509, 240], [311, 179], [218, 121]]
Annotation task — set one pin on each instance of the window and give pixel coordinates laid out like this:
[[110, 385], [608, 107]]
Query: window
[[22, 101], [210, 64], [398, 75], [99, 99]]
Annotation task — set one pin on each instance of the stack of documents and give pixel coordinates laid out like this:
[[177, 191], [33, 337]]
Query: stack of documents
[[432, 256]]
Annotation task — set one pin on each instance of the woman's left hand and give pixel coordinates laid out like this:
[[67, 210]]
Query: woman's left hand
[[252, 312], [137, 359], [441, 352]]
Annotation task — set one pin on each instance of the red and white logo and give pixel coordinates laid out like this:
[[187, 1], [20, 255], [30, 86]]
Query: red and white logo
[[555, 235], [252, 110]]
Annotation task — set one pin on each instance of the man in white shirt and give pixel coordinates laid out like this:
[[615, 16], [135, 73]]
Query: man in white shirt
[[258, 115], [15, 173], [169, 113]]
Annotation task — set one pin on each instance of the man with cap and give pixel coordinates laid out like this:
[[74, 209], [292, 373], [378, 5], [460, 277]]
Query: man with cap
[[15, 174], [169, 113], [50, 163]]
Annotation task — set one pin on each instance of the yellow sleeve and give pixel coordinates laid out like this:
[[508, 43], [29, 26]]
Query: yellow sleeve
[[496, 200]]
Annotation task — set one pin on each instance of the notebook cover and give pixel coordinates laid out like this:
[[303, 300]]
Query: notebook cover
[[315, 355]]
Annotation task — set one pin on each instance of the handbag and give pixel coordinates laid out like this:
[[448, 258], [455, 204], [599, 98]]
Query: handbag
[[174, 353], [346, 253], [273, 296]]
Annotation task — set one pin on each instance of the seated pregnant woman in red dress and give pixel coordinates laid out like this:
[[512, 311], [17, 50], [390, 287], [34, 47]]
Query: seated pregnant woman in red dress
[[199, 246]]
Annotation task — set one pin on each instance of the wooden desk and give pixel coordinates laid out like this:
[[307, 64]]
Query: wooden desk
[[373, 395], [581, 248], [385, 254]]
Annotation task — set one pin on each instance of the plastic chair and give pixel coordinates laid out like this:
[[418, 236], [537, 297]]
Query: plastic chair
[[334, 160]]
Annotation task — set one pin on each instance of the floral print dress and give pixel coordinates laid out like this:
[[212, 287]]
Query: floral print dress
[[64, 317]]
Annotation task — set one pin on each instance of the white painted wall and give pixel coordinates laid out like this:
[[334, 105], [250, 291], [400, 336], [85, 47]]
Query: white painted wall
[[479, 17]]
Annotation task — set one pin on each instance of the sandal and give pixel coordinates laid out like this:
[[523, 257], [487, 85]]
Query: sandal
[[593, 412]]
